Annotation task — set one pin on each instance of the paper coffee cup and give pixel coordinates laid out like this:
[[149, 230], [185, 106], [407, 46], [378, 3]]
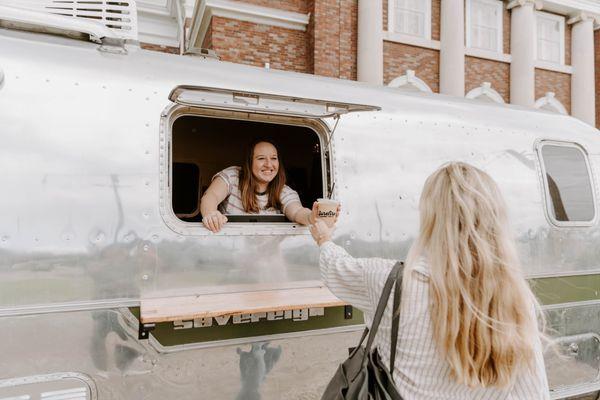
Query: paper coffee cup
[[327, 210]]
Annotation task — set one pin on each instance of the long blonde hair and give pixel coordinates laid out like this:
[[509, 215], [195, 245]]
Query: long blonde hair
[[482, 309]]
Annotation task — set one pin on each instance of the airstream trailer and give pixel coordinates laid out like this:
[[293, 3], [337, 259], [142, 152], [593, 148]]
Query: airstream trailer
[[111, 288]]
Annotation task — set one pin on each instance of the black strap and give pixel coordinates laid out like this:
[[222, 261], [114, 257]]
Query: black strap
[[396, 316], [385, 295]]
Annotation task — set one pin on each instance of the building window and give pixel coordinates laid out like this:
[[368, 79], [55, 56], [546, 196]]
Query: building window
[[568, 184], [550, 38], [550, 103], [484, 25], [411, 17], [486, 94], [410, 83]]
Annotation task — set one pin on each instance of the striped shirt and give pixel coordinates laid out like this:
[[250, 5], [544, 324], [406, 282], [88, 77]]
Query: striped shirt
[[232, 204], [420, 373]]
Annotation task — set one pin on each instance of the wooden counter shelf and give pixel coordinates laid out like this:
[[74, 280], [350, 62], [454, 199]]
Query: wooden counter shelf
[[166, 309]]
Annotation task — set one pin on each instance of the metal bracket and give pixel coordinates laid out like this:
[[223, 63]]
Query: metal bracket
[[144, 330], [347, 312], [112, 45]]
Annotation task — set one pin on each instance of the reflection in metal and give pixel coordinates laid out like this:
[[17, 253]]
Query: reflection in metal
[[83, 216], [58, 386], [254, 367], [116, 365]]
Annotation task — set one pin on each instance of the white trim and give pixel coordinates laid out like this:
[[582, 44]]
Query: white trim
[[206, 9], [569, 7], [426, 28], [499, 24], [485, 90], [411, 40], [410, 79], [548, 66], [550, 100], [562, 21], [489, 55]]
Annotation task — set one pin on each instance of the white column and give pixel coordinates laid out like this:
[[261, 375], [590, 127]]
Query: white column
[[522, 46], [370, 42], [452, 48], [583, 96]]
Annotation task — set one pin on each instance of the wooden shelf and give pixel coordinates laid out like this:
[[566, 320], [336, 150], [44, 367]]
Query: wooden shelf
[[213, 305]]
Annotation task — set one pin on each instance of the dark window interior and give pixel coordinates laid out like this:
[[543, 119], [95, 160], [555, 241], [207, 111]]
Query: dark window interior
[[203, 146], [569, 183]]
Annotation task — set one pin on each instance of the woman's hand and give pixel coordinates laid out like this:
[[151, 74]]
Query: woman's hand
[[214, 221], [321, 232]]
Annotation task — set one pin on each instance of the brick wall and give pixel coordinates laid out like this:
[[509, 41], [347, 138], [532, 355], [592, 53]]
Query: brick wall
[[435, 19], [398, 57], [162, 49], [506, 31], [249, 43], [568, 33], [478, 70], [299, 6], [207, 42], [334, 26], [557, 82]]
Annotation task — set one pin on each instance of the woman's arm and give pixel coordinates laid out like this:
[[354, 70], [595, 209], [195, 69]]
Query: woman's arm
[[302, 215], [214, 195]]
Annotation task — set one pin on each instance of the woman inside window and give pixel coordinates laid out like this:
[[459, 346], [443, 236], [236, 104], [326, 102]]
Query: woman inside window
[[468, 328], [258, 187]]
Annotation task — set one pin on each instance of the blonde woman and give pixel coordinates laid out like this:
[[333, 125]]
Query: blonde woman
[[468, 326]]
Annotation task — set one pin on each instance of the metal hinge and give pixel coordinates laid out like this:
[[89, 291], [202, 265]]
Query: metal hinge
[[144, 330]]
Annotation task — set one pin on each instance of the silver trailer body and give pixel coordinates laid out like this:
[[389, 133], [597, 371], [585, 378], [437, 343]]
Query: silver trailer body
[[87, 229]]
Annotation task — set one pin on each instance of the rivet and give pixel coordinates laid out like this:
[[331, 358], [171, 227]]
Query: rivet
[[145, 277], [146, 247], [5, 238]]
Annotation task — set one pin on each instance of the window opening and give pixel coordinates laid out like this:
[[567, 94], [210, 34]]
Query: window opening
[[484, 25], [568, 183], [203, 146], [411, 17], [550, 38]]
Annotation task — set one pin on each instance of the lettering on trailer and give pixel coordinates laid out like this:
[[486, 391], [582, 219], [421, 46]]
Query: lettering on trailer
[[294, 315]]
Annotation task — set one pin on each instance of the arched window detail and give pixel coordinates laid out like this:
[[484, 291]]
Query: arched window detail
[[549, 103], [410, 82], [485, 93]]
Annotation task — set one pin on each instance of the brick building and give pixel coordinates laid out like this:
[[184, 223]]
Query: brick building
[[537, 53]]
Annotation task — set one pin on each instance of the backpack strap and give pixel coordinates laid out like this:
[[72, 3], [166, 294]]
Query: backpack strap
[[381, 305], [396, 316]]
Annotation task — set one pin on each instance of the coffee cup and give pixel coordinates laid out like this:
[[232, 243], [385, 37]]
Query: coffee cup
[[327, 210]]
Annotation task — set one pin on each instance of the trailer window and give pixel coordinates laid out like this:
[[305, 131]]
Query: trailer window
[[201, 146], [568, 184]]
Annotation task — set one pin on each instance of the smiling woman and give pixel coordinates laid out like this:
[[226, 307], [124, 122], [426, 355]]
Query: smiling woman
[[258, 187], [243, 171]]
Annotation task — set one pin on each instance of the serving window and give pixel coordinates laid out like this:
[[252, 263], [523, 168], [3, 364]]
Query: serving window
[[203, 144], [570, 199]]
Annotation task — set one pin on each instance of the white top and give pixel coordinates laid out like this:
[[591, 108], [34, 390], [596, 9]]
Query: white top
[[420, 372], [232, 205]]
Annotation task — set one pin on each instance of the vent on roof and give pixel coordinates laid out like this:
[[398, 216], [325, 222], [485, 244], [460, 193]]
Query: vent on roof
[[119, 16]]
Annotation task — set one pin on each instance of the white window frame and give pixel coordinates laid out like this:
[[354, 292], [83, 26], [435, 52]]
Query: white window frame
[[562, 22], [499, 23], [426, 29]]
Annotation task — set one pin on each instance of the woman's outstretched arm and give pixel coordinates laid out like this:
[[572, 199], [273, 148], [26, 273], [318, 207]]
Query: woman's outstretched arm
[[214, 195]]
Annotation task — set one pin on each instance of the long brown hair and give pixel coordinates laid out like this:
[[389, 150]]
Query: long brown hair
[[248, 184], [482, 308]]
